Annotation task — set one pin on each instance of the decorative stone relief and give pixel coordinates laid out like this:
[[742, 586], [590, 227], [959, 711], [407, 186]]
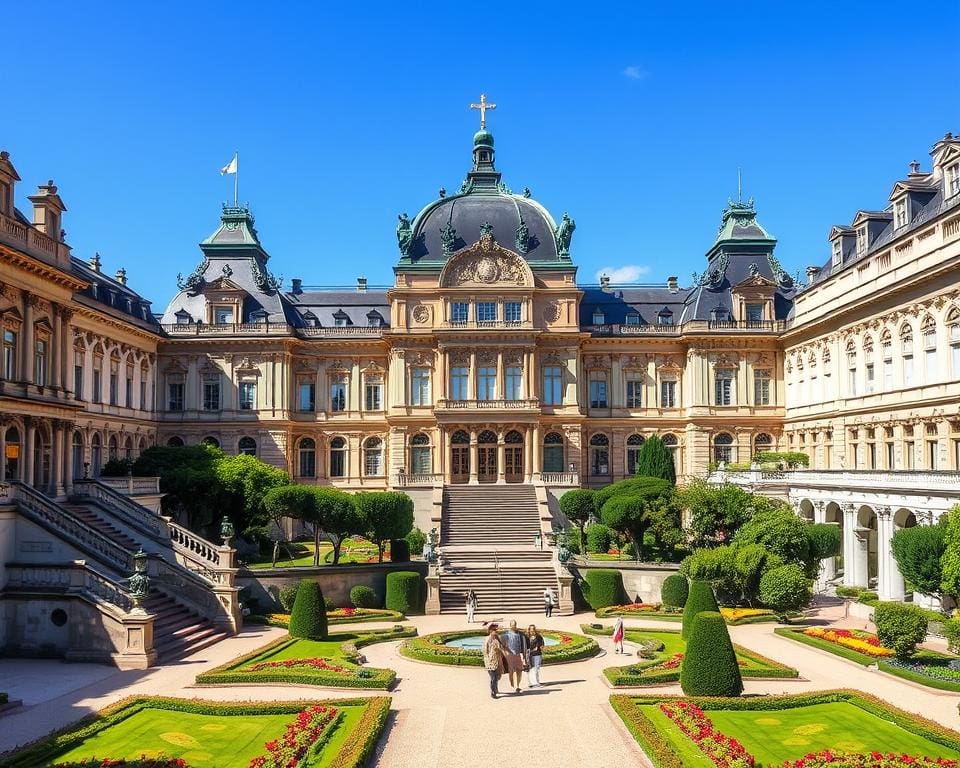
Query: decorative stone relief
[[421, 314], [551, 312], [484, 263]]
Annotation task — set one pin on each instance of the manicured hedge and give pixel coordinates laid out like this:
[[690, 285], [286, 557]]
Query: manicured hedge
[[353, 753], [701, 598], [362, 596], [674, 590], [399, 551], [309, 615], [357, 616], [431, 648], [604, 587], [404, 592], [710, 664]]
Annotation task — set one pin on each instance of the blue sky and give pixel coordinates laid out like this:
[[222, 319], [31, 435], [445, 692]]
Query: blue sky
[[633, 117]]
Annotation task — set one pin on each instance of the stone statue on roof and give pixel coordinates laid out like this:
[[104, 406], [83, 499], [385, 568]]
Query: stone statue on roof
[[564, 234], [404, 234]]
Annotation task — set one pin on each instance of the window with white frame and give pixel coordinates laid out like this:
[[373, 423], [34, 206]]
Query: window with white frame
[[633, 318], [459, 312], [373, 457], [837, 252], [338, 457], [900, 213], [248, 395], [723, 448], [761, 387], [222, 315], [598, 317], [668, 393], [338, 392], [723, 389], [513, 382], [599, 455], [486, 311], [634, 446], [420, 456], [598, 389], [953, 329], [929, 333], [487, 382], [862, 240], [175, 394], [420, 386], [634, 389], [306, 394], [672, 444], [869, 373], [886, 355], [459, 382], [10, 354], [552, 385], [851, 371], [953, 180], [513, 311], [40, 364], [373, 392], [210, 391], [307, 457]]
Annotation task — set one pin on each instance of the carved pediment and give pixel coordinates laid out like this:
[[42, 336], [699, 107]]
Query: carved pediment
[[485, 263], [223, 284], [755, 282]]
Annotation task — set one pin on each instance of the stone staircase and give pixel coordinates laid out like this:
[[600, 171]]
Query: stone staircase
[[488, 535], [177, 630]]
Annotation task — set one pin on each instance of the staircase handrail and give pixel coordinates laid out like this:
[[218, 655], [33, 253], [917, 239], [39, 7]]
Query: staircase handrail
[[38, 507], [187, 586], [121, 505], [76, 578], [203, 557]]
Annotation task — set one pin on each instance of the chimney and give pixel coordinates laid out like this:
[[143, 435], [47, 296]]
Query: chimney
[[121, 276], [604, 282], [672, 284], [47, 210], [95, 262], [361, 285], [296, 285], [812, 273], [915, 169]]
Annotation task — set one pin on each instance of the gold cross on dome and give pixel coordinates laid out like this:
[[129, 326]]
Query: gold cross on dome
[[483, 106]]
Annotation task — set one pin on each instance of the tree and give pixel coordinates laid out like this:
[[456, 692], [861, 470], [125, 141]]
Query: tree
[[918, 551], [785, 589], [193, 495], [294, 501], [656, 461], [579, 507], [781, 532], [825, 540], [633, 512], [385, 515], [950, 561], [900, 627], [733, 570], [710, 666], [246, 480], [337, 514], [717, 511]]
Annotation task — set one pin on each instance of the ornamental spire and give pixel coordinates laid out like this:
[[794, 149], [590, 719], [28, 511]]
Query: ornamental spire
[[483, 106]]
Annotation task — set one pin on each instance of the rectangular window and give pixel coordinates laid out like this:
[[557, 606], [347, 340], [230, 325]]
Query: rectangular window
[[487, 383], [248, 395], [723, 388], [633, 319], [513, 382], [9, 355], [373, 394], [78, 382], [932, 454], [175, 396], [862, 240], [634, 393], [668, 394], [513, 312], [143, 395], [211, 393], [870, 377], [599, 318], [598, 389], [930, 356], [128, 392], [486, 311], [459, 312], [40, 364], [908, 370], [953, 180], [338, 394], [552, 385], [113, 389], [306, 396], [459, 383], [837, 251], [852, 374], [754, 313], [97, 386], [872, 451], [223, 315], [890, 456], [761, 387], [908, 456], [900, 213], [420, 386]]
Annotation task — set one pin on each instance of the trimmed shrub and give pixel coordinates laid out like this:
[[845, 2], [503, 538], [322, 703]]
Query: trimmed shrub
[[599, 538], [656, 461], [900, 627], [604, 587], [399, 551], [287, 595], [674, 590], [404, 592], [784, 589], [363, 596], [309, 615], [824, 540], [710, 665], [700, 598], [918, 551], [416, 539]]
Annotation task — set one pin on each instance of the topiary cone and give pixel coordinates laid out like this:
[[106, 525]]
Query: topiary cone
[[309, 615], [709, 665], [674, 591], [699, 598]]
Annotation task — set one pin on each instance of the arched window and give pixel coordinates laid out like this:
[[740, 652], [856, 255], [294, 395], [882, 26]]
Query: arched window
[[460, 437], [247, 446], [373, 457], [953, 334], [928, 332], [420, 455], [634, 446], [906, 351], [886, 360], [851, 369], [599, 455], [175, 442], [338, 457], [307, 457], [96, 455], [112, 448], [128, 449], [76, 454], [723, 447], [211, 441], [553, 452], [487, 437], [513, 437], [762, 442]]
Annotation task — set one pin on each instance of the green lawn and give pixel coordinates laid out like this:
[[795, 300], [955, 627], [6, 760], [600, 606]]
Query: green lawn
[[674, 644], [788, 734], [307, 649]]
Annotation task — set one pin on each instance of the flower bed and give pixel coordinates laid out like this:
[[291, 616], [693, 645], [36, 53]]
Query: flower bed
[[337, 616], [733, 616], [737, 616], [432, 648], [341, 671], [312, 726], [782, 727], [357, 731], [854, 639]]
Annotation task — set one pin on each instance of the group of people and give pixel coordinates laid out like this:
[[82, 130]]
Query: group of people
[[512, 653], [472, 603]]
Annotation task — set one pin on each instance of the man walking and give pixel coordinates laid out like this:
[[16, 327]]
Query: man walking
[[547, 602], [515, 644], [493, 658]]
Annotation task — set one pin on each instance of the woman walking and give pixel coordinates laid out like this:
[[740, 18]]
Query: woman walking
[[493, 659], [618, 635], [471, 605], [534, 656]]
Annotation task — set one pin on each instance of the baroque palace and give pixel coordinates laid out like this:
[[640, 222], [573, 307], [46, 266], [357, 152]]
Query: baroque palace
[[486, 364]]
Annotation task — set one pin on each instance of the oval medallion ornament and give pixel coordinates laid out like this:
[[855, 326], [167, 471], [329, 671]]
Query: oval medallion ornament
[[551, 312], [487, 271], [421, 314]]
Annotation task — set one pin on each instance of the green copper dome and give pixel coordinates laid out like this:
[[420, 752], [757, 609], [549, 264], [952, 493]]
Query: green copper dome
[[483, 136]]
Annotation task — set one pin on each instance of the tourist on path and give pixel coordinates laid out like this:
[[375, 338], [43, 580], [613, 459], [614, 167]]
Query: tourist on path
[[534, 656], [515, 645], [547, 602], [471, 605], [493, 658], [618, 635]]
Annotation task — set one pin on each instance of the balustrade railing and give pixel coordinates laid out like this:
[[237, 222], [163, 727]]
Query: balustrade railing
[[846, 478], [75, 577], [187, 586], [404, 480], [560, 478], [28, 237], [123, 507], [201, 557], [444, 404], [342, 330], [132, 485]]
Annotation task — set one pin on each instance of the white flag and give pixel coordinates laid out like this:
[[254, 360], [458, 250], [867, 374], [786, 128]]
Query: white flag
[[230, 167]]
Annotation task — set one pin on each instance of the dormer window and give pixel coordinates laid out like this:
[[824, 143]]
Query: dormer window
[[719, 314], [340, 319], [183, 317], [900, 213], [665, 317], [310, 320], [837, 252], [259, 316], [953, 180], [598, 317], [223, 315], [633, 319], [862, 240], [374, 319]]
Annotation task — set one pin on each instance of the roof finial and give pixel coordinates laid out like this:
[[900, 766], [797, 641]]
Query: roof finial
[[483, 106], [739, 186]]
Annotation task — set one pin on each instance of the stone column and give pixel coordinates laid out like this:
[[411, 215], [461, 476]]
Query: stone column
[[889, 581], [501, 382], [861, 563], [473, 446], [68, 458], [527, 455], [27, 441], [537, 453], [3, 450], [26, 343], [66, 349], [849, 543], [56, 459], [501, 457], [472, 391], [56, 349]]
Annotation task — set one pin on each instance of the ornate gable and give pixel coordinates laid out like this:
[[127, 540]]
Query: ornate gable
[[486, 263]]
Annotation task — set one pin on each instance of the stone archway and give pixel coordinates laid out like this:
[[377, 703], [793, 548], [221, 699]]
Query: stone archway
[[833, 515], [805, 510], [865, 560]]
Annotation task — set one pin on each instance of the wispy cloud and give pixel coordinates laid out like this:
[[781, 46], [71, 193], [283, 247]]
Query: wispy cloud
[[634, 72], [628, 273]]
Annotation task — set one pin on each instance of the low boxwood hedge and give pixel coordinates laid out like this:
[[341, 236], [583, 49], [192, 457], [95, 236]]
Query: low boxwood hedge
[[338, 616], [234, 673], [352, 754], [431, 648]]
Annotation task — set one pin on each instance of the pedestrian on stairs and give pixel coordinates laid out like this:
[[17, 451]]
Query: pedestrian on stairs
[[493, 658], [547, 602], [515, 644], [471, 605]]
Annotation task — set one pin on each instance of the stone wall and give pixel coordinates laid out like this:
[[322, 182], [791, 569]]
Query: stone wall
[[264, 584], [642, 581], [35, 626]]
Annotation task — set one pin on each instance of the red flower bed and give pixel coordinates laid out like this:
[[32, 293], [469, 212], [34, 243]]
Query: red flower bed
[[869, 760], [301, 734], [723, 750], [315, 663], [140, 762]]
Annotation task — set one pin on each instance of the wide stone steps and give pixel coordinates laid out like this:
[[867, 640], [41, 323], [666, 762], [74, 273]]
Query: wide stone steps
[[108, 529], [177, 630], [517, 589]]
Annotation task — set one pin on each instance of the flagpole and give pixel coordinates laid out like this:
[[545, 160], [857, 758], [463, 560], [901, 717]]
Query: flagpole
[[236, 180]]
